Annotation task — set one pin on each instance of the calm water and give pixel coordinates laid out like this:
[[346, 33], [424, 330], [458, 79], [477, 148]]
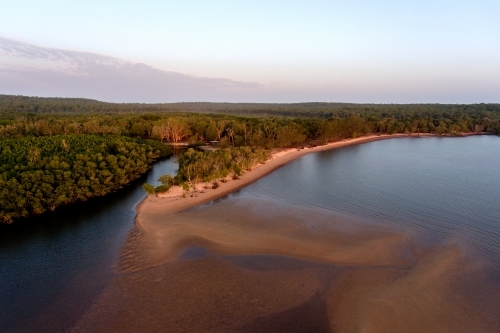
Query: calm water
[[440, 188], [52, 269]]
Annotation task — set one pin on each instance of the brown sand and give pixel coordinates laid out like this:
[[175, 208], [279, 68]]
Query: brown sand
[[276, 269], [436, 295], [324, 239]]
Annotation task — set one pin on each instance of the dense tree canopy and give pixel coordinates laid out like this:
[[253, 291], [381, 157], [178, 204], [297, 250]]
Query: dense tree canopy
[[197, 166], [285, 124], [36, 105], [41, 173], [231, 130]]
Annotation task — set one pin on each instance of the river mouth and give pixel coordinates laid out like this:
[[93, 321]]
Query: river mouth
[[391, 236]]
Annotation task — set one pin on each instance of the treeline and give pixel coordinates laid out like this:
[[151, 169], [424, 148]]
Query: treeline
[[39, 174], [195, 167], [78, 106], [228, 130]]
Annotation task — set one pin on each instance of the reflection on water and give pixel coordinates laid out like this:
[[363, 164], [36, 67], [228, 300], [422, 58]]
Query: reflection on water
[[53, 267]]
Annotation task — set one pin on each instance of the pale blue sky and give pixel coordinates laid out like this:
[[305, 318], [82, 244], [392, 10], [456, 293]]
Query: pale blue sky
[[287, 51]]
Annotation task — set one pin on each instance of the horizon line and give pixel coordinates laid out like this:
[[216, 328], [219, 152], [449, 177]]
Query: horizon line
[[257, 103]]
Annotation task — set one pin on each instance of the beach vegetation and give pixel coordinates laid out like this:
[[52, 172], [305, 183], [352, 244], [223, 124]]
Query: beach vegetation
[[149, 189], [209, 167]]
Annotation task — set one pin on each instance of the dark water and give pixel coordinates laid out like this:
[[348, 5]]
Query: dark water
[[444, 189], [53, 267]]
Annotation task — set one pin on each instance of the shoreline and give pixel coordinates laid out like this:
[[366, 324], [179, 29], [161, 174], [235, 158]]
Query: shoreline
[[168, 204]]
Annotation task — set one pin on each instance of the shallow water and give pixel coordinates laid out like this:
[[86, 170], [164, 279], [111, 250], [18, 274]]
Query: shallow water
[[397, 235], [441, 189], [53, 267]]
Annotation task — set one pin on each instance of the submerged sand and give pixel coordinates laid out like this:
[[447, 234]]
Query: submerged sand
[[258, 266]]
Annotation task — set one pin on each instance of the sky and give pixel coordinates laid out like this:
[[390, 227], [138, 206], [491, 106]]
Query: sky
[[252, 51]]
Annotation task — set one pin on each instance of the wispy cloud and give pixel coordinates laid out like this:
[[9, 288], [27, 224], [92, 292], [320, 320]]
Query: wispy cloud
[[35, 70]]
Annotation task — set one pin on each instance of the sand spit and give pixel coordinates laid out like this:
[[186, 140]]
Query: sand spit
[[174, 202], [260, 266]]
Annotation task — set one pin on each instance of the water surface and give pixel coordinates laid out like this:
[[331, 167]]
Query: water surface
[[443, 189], [53, 267], [391, 236]]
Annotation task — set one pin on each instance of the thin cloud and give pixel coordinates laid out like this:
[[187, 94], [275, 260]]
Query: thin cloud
[[35, 70]]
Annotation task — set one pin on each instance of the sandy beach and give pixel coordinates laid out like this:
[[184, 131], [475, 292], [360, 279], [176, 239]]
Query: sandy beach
[[174, 202], [258, 266]]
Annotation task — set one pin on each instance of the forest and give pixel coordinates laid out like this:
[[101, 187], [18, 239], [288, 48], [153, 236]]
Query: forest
[[37, 105], [55, 151], [39, 174], [267, 132]]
